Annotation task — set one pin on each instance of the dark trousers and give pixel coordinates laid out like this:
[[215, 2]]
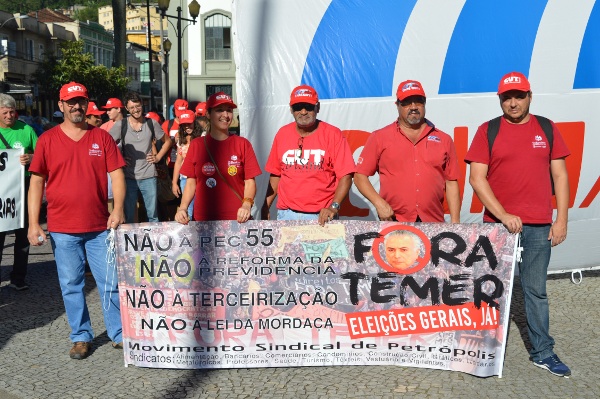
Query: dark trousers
[[21, 253]]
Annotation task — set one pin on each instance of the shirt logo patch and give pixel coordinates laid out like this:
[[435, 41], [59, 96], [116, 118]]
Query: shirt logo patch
[[211, 183], [95, 151], [360, 160], [232, 170], [17, 144], [539, 144], [234, 158], [208, 169], [434, 138]]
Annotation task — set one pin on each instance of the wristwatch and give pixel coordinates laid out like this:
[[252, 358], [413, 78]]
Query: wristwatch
[[335, 205]]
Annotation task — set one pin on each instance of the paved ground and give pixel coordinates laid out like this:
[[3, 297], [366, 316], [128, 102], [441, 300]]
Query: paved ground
[[34, 360]]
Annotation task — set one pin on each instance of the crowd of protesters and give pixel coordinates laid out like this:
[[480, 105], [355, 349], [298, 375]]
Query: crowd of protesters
[[191, 168]]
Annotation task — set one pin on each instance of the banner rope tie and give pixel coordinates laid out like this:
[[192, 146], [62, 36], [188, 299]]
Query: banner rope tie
[[110, 260]]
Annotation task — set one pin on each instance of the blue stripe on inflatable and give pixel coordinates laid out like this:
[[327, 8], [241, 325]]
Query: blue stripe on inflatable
[[587, 75], [354, 50], [490, 39]]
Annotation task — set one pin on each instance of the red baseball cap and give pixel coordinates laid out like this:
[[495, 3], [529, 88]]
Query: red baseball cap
[[513, 81], [153, 115], [187, 117], [201, 109], [409, 88], [180, 106], [113, 103], [218, 99], [73, 90], [304, 94], [93, 109]]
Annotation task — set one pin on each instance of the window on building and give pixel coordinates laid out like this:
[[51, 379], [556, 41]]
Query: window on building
[[41, 50], [217, 35], [29, 49], [212, 89]]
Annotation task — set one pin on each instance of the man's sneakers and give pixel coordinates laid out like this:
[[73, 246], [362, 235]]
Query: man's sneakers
[[117, 345], [18, 285], [554, 365], [80, 350]]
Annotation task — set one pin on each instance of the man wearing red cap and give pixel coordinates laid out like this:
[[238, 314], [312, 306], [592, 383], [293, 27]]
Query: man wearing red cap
[[511, 174], [93, 115], [73, 159], [114, 111], [311, 164], [201, 117], [416, 163]]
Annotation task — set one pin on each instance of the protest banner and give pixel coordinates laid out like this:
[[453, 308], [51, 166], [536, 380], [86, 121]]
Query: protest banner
[[287, 294], [12, 190]]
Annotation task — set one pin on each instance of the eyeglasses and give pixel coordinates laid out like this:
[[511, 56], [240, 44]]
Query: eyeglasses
[[77, 100], [300, 106], [419, 100], [134, 107]]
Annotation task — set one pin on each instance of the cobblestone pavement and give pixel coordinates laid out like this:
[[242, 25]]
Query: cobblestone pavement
[[34, 361]]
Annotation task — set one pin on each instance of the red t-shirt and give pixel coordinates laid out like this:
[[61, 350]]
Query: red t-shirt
[[77, 183], [412, 176], [309, 177], [214, 199], [518, 172]]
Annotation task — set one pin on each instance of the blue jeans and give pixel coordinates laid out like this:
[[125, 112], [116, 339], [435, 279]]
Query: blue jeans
[[182, 181], [533, 271], [288, 214], [70, 252], [148, 189]]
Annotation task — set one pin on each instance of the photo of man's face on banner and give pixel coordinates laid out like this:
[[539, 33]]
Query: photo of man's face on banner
[[402, 249]]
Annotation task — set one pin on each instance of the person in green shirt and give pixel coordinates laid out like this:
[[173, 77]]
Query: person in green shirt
[[17, 134]]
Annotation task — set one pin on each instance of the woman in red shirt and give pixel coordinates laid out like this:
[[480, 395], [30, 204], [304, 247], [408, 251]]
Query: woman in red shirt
[[220, 169]]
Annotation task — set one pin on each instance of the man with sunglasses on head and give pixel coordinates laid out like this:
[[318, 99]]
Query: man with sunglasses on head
[[311, 164], [512, 172], [136, 140], [416, 163], [73, 160]]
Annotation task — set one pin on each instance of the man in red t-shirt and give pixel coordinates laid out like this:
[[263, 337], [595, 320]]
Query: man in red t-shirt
[[416, 164], [114, 110], [73, 159], [513, 181], [311, 164]]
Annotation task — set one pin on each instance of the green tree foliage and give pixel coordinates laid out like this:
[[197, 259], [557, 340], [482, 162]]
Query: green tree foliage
[[77, 66]]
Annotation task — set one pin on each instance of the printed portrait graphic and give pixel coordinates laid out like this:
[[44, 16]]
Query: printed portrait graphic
[[402, 249]]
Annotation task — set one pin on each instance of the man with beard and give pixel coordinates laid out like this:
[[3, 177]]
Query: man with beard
[[136, 139], [416, 164], [73, 159], [311, 164]]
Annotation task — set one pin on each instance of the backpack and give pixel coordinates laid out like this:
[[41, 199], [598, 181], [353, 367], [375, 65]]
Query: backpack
[[494, 128], [163, 178]]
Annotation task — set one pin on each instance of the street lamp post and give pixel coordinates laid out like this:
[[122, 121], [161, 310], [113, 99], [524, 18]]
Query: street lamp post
[[185, 75], [166, 47], [150, 68], [15, 18], [194, 9]]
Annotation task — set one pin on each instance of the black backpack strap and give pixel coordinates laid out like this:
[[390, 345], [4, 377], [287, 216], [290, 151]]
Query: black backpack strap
[[124, 123], [171, 122], [151, 127], [547, 128], [492, 131], [8, 147]]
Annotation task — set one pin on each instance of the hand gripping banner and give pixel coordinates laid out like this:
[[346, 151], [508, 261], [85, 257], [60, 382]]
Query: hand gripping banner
[[288, 294]]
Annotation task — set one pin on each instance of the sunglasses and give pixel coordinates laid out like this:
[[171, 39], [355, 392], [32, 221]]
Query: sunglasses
[[412, 99], [300, 106], [81, 101]]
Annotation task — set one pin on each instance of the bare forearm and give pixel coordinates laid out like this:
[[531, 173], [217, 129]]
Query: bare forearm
[[453, 198], [342, 189]]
